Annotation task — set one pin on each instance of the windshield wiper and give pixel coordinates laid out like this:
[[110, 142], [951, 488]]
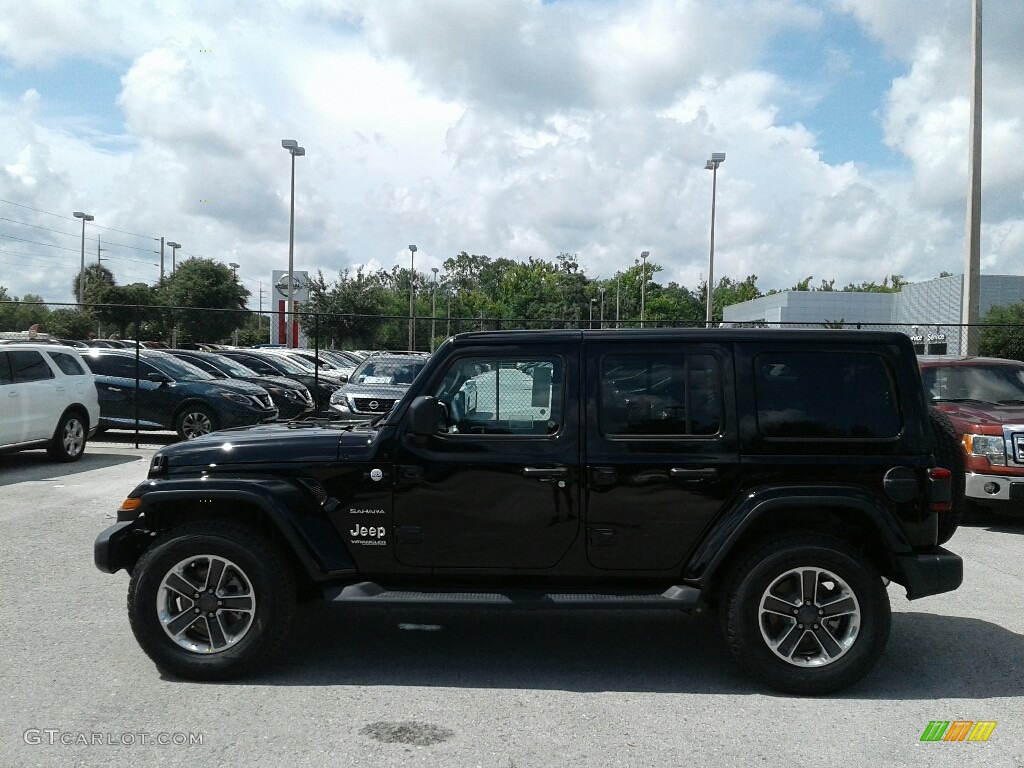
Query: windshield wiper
[[962, 400], [1012, 401]]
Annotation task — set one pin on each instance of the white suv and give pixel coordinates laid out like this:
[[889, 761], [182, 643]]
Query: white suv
[[47, 400]]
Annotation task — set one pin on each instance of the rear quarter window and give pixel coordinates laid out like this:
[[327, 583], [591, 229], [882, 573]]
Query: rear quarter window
[[68, 364], [825, 395]]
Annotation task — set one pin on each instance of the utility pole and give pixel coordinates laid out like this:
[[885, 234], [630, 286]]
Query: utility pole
[[970, 311]]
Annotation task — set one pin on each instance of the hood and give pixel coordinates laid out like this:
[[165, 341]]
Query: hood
[[274, 381], [269, 444], [234, 385], [983, 414]]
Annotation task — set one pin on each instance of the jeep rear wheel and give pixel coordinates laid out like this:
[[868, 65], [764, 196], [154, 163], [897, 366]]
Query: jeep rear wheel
[[807, 614], [210, 601], [949, 453]]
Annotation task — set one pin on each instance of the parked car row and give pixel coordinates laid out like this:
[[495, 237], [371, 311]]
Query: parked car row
[[56, 397]]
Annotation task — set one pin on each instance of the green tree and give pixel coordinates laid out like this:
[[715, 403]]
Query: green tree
[[1002, 332], [68, 323], [206, 284], [97, 279], [21, 314], [354, 307]]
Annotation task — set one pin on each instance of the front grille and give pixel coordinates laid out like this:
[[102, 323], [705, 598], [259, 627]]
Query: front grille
[[372, 404], [1017, 441]]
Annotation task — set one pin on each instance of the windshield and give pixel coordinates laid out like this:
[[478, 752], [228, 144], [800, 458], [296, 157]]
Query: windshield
[[400, 372], [996, 383], [286, 364], [232, 367], [305, 365], [178, 369]]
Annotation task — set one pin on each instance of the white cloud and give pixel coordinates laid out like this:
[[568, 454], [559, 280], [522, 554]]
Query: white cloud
[[511, 128]]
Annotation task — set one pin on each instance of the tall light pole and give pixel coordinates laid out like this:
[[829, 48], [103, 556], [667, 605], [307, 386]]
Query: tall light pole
[[970, 311], [448, 290], [412, 286], [618, 285], [234, 269], [643, 283], [174, 253], [295, 151], [433, 308], [592, 303], [717, 158], [602, 289], [81, 275]]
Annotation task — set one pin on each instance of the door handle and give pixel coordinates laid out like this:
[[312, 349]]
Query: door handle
[[545, 473], [704, 473], [113, 389]]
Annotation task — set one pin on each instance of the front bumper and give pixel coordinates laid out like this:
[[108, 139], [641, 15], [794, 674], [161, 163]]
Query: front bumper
[[120, 546], [931, 573], [1002, 489]]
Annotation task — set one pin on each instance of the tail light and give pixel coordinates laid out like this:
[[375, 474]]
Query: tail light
[[940, 489]]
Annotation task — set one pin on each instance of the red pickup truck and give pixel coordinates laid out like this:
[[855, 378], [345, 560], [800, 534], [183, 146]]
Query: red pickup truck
[[984, 398]]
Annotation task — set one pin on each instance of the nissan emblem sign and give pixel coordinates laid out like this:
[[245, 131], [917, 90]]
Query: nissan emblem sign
[[374, 405]]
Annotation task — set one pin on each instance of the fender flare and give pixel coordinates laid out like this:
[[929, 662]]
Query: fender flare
[[720, 542], [288, 507]]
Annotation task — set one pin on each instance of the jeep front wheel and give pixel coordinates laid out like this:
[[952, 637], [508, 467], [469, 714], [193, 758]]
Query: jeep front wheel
[[807, 614], [210, 601]]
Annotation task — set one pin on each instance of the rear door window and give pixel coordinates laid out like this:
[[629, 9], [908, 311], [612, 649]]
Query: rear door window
[[68, 364], [29, 365], [661, 394], [830, 395]]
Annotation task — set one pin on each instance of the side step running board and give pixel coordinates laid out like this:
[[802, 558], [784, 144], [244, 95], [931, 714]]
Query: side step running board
[[367, 592]]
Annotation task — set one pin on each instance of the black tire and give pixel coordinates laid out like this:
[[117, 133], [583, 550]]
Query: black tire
[[69, 439], [194, 420], [772, 575], [254, 579], [949, 453]]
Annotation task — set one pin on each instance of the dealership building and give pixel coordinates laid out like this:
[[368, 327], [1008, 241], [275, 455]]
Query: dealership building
[[928, 312]]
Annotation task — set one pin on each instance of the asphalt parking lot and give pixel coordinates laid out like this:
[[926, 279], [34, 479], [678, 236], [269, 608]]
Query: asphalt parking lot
[[396, 687]]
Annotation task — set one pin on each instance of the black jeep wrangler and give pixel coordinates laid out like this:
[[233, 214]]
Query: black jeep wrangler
[[776, 478]]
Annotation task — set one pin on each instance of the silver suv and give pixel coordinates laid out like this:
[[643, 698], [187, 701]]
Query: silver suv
[[47, 400]]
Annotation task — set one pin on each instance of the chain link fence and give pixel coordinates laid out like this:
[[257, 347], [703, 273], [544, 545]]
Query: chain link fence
[[343, 366]]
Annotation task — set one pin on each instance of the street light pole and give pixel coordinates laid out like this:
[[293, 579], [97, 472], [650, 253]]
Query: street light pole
[[449, 292], [295, 151], [433, 309], [174, 253], [717, 158], [81, 275], [234, 269], [412, 286], [970, 310], [618, 285], [592, 303], [643, 284], [602, 289]]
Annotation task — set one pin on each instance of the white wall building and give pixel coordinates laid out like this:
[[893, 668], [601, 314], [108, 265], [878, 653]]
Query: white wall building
[[928, 312]]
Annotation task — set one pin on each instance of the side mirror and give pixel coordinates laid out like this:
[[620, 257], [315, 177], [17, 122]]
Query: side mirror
[[159, 378], [426, 416]]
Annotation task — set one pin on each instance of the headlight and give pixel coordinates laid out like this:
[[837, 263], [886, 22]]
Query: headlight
[[991, 447], [234, 397], [337, 397], [291, 394]]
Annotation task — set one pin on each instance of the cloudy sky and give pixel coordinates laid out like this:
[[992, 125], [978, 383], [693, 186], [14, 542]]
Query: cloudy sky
[[511, 128]]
